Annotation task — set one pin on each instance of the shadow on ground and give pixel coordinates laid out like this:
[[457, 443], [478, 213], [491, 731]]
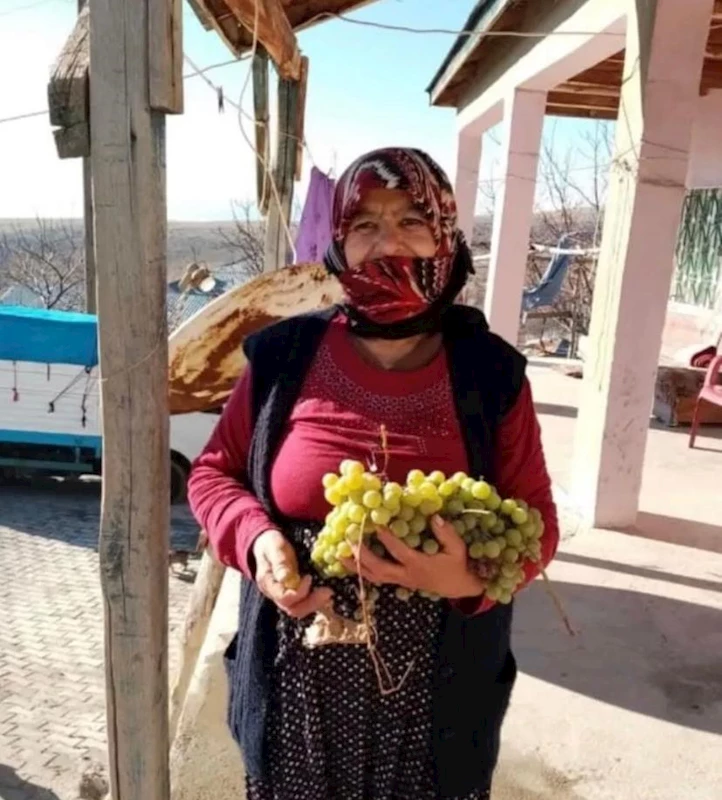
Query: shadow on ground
[[69, 511], [15, 788], [645, 653]]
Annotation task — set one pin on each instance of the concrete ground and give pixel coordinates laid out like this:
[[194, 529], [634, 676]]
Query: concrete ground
[[52, 706]]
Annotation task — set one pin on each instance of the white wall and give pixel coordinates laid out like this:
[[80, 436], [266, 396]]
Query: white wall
[[705, 160]]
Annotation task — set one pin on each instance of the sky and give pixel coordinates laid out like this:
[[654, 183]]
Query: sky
[[355, 101]]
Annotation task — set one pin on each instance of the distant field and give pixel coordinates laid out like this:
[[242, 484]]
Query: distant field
[[187, 241]]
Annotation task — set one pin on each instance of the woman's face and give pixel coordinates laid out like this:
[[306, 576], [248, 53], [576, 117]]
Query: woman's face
[[387, 224]]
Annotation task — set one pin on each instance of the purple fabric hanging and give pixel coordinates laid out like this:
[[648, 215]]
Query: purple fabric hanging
[[314, 230]]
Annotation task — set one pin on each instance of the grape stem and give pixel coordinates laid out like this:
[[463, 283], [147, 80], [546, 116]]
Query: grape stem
[[557, 601]]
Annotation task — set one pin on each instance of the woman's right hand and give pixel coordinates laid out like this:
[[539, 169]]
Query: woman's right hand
[[275, 564]]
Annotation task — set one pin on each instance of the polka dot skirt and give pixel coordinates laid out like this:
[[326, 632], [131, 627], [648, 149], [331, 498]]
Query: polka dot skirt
[[331, 733]]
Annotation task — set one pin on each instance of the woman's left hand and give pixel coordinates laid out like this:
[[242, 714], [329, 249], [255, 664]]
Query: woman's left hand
[[446, 574]]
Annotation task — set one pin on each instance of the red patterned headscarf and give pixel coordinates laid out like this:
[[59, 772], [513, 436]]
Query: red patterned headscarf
[[397, 296]]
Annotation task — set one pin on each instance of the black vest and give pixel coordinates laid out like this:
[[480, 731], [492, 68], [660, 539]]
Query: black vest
[[475, 669]]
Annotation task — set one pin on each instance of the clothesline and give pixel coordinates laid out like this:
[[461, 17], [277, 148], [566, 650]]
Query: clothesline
[[543, 248]]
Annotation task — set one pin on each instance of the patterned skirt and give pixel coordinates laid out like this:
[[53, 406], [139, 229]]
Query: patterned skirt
[[332, 734]]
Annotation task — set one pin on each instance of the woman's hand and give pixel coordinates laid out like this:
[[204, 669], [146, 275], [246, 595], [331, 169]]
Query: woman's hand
[[275, 564], [446, 574]]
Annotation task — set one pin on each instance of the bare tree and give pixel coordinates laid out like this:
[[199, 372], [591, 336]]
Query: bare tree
[[246, 239], [48, 260]]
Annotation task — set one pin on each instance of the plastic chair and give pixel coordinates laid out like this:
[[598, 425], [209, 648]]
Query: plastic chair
[[711, 391]]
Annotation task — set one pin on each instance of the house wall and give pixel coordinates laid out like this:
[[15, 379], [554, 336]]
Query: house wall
[[705, 164]]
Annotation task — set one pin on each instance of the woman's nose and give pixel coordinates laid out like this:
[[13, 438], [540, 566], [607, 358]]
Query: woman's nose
[[389, 243]]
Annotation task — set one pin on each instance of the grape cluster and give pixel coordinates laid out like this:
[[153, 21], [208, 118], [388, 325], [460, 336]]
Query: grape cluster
[[501, 534]]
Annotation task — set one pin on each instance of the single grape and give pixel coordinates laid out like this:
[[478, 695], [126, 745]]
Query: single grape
[[355, 468], [510, 555], [329, 556], [492, 549], [333, 496], [430, 547], [354, 482], [341, 486], [470, 521], [459, 527], [329, 479], [447, 488], [437, 477], [393, 504], [336, 570], [317, 555], [466, 496], [428, 490], [528, 529], [498, 528], [501, 541], [468, 484], [344, 550], [510, 570], [368, 526], [534, 550], [356, 496], [346, 466], [481, 490], [413, 540], [488, 521], [508, 507], [519, 516], [458, 478], [505, 598], [393, 488], [381, 516], [353, 533], [415, 478], [336, 536], [418, 524], [454, 507], [477, 550], [493, 592], [413, 498], [372, 499], [523, 504], [514, 537], [356, 513], [399, 528], [493, 503], [430, 507], [407, 512], [371, 483], [505, 583]]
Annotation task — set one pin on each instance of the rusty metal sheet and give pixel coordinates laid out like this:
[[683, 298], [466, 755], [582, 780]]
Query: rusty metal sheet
[[205, 353]]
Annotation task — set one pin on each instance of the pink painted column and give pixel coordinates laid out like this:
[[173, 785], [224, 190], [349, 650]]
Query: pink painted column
[[468, 163], [664, 54], [514, 211]]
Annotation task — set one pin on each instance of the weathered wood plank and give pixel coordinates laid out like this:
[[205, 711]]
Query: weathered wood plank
[[274, 32], [262, 133], [301, 116], [128, 168], [165, 58], [68, 91], [203, 600], [284, 170]]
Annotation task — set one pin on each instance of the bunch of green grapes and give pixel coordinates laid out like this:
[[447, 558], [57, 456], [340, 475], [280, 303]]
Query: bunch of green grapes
[[501, 534]]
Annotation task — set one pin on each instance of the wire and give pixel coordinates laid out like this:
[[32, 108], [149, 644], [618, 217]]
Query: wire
[[18, 9], [452, 32], [197, 72]]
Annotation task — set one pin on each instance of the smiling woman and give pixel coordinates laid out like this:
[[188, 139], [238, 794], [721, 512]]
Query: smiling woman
[[399, 354]]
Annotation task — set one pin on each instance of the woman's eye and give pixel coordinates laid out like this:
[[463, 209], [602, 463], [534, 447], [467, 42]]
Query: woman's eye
[[412, 222], [363, 227]]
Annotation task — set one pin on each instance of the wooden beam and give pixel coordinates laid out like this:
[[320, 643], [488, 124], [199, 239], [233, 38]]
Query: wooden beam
[[279, 216], [68, 92], [274, 32], [301, 117], [165, 59], [586, 101], [581, 113], [262, 124], [128, 167]]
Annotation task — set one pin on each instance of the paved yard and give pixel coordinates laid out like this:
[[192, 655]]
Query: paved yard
[[52, 707]]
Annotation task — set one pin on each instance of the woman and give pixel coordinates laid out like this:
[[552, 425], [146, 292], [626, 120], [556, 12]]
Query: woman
[[312, 722]]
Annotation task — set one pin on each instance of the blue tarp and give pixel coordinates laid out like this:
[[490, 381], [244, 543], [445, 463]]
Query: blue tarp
[[48, 337], [547, 290]]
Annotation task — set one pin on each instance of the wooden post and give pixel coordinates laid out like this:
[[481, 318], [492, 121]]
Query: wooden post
[[300, 132], [659, 97], [284, 170], [262, 123], [89, 250], [128, 172]]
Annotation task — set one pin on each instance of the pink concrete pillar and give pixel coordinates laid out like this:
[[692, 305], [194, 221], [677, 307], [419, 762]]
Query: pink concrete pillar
[[468, 162], [514, 211], [664, 54]]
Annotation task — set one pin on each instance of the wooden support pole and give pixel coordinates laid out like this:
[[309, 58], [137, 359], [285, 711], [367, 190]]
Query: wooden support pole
[[284, 170], [659, 99], [91, 306], [262, 124], [128, 170], [274, 32], [301, 117]]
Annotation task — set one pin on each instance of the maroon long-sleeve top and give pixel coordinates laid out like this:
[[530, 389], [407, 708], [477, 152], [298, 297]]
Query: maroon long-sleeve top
[[342, 404]]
